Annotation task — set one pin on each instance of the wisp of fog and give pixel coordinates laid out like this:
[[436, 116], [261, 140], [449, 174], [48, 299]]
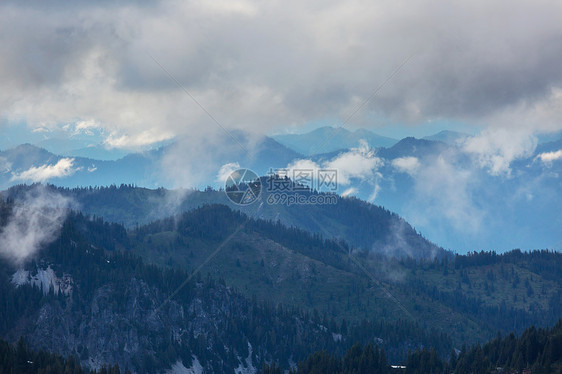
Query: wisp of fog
[[34, 222]]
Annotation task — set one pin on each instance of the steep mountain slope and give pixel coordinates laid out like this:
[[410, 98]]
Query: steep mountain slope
[[115, 311], [470, 298], [104, 306]]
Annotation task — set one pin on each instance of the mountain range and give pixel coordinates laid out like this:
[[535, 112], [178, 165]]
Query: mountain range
[[447, 194], [330, 139]]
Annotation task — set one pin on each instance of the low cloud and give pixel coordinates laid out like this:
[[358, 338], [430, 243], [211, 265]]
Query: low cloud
[[397, 243], [63, 168], [349, 191], [360, 162], [33, 223], [549, 157], [192, 161], [443, 191], [5, 165], [226, 170], [136, 141], [495, 148], [408, 164], [358, 165]]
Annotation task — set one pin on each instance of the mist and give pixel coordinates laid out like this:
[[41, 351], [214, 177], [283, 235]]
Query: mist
[[34, 222]]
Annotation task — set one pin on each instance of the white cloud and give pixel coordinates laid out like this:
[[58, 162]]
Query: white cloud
[[549, 157], [5, 165], [193, 161], [85, 127], [63, 168], [376, 187], [244, 8], [115, 140], [359, 163], [302, 164], [408, 164], [226, 170], [495, 148], [543, 115], [349, 192], [443, 190], [34, 222], [40, 130]]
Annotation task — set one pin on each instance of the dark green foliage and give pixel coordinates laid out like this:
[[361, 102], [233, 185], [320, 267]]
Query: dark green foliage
[[424, 361], [357, 360], [216, 222], [537, 349], [23, 360]]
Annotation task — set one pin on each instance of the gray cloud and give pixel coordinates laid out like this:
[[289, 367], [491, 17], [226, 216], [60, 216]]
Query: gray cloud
[[261, 66]]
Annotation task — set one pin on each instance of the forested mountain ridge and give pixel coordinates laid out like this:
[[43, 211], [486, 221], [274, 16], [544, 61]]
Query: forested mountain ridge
[[470, 297], [84, 297], [361, 224]]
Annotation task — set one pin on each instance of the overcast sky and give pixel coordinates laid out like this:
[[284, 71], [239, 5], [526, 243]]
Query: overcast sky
[[278, 66]]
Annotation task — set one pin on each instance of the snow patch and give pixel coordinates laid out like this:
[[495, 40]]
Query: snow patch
[[178, 368], [292, 364], [45, 278], [249, 368], [20, 277]]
